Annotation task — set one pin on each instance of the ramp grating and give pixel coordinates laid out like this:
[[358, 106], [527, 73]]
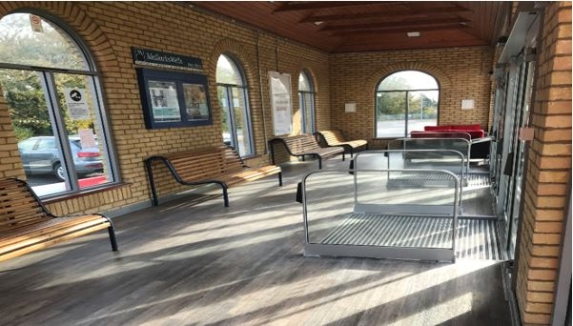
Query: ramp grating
[[475, 238]]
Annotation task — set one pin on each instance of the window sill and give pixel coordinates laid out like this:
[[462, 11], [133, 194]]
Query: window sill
[[64, 197], [250, 157]]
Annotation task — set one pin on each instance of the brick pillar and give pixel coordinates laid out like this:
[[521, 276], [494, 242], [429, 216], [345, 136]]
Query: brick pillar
[[549, 170], [10, 163]]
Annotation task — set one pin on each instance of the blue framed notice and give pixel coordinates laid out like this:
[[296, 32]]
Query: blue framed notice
[[173, 99]]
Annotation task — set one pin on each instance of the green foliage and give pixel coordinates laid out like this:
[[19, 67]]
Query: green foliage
[[23, 89], [22, 133], [51, 48], [392, 106], [23, 92]]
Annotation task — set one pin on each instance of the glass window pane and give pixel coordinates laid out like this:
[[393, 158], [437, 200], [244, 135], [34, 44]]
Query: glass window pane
[[309, 112], [83, 128], [303, 82], [228, 72], [225, 117], [423, 110], [39, 152], [391, 114], [408, 80], [242, 124], [46, 46]]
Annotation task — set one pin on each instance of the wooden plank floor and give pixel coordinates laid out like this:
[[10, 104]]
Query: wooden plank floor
[[198, 263]]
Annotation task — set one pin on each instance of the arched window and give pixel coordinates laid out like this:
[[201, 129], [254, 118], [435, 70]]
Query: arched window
[[232, 94], [306, 98], [55, 101], [406, 101]]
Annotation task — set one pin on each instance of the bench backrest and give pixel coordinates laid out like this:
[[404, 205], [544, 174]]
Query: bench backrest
[[440, 134], [301, 143], [18, 205], [332, 137], [206, 163]]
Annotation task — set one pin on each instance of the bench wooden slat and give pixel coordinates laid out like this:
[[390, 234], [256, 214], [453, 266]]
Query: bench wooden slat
[[332, 138], [53, 241], [305, 144], [219, 165], [26, 225], [46, 230]]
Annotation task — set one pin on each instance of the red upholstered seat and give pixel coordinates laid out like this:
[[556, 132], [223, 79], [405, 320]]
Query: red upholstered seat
[[466, 127], [474, 130]]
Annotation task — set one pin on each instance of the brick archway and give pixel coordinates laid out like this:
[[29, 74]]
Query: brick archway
[[237, 51], [78, 21], [444, 81]]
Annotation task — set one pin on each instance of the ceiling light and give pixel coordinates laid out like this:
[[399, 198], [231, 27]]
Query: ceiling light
[[413, 34], [318, 23]]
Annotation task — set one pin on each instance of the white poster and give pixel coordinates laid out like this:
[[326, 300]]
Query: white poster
[[281, 103], [76, 102], [87, 138]]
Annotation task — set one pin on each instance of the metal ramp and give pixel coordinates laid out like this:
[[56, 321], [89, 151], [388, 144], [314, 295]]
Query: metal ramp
[[395, 213], [475, 238]]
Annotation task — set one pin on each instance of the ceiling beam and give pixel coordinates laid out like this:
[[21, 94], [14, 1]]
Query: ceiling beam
[[384, 14], [332, 4], [410, 24]]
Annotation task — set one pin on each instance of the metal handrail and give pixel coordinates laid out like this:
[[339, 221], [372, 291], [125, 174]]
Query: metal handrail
[[452, 175]]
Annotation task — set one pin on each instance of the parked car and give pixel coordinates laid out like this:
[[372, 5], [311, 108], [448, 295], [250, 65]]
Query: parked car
[[40, 155]]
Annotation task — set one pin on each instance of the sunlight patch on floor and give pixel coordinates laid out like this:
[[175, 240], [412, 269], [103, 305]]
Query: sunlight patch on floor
[[439, 314]]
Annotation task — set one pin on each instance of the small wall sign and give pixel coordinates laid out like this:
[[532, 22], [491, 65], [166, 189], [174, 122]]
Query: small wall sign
[[76, 102], [164, 59], [350, 107], [467, 104]]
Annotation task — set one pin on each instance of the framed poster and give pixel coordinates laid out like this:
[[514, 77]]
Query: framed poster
[[281, 102], [196, 103], [173, 99]]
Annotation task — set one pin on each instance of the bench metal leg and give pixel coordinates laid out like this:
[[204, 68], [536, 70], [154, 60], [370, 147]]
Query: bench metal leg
[[148, 165], [272, 153], [351, 152], [225, 192], [320, 163], [111, 231], [280, 179], [226, 197], [343, 158]]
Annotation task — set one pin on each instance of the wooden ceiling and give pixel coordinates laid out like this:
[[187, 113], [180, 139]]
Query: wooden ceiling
[[362, 26]]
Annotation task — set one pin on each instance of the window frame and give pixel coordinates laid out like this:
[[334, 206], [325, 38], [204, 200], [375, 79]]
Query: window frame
[[407, 108], [47, 80], [231, 119], [302, 95]]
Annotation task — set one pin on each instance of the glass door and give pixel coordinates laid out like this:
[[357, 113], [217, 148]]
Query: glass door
[[519, 160], [512, 114]]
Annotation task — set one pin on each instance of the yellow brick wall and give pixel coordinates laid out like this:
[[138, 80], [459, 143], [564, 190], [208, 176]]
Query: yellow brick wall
[[549, 170], [110, 29], [462, 73]]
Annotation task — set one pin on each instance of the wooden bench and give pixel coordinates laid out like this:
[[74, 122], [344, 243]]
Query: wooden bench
[[302, 145], [219, 165], [332, 138], [26, 224]]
